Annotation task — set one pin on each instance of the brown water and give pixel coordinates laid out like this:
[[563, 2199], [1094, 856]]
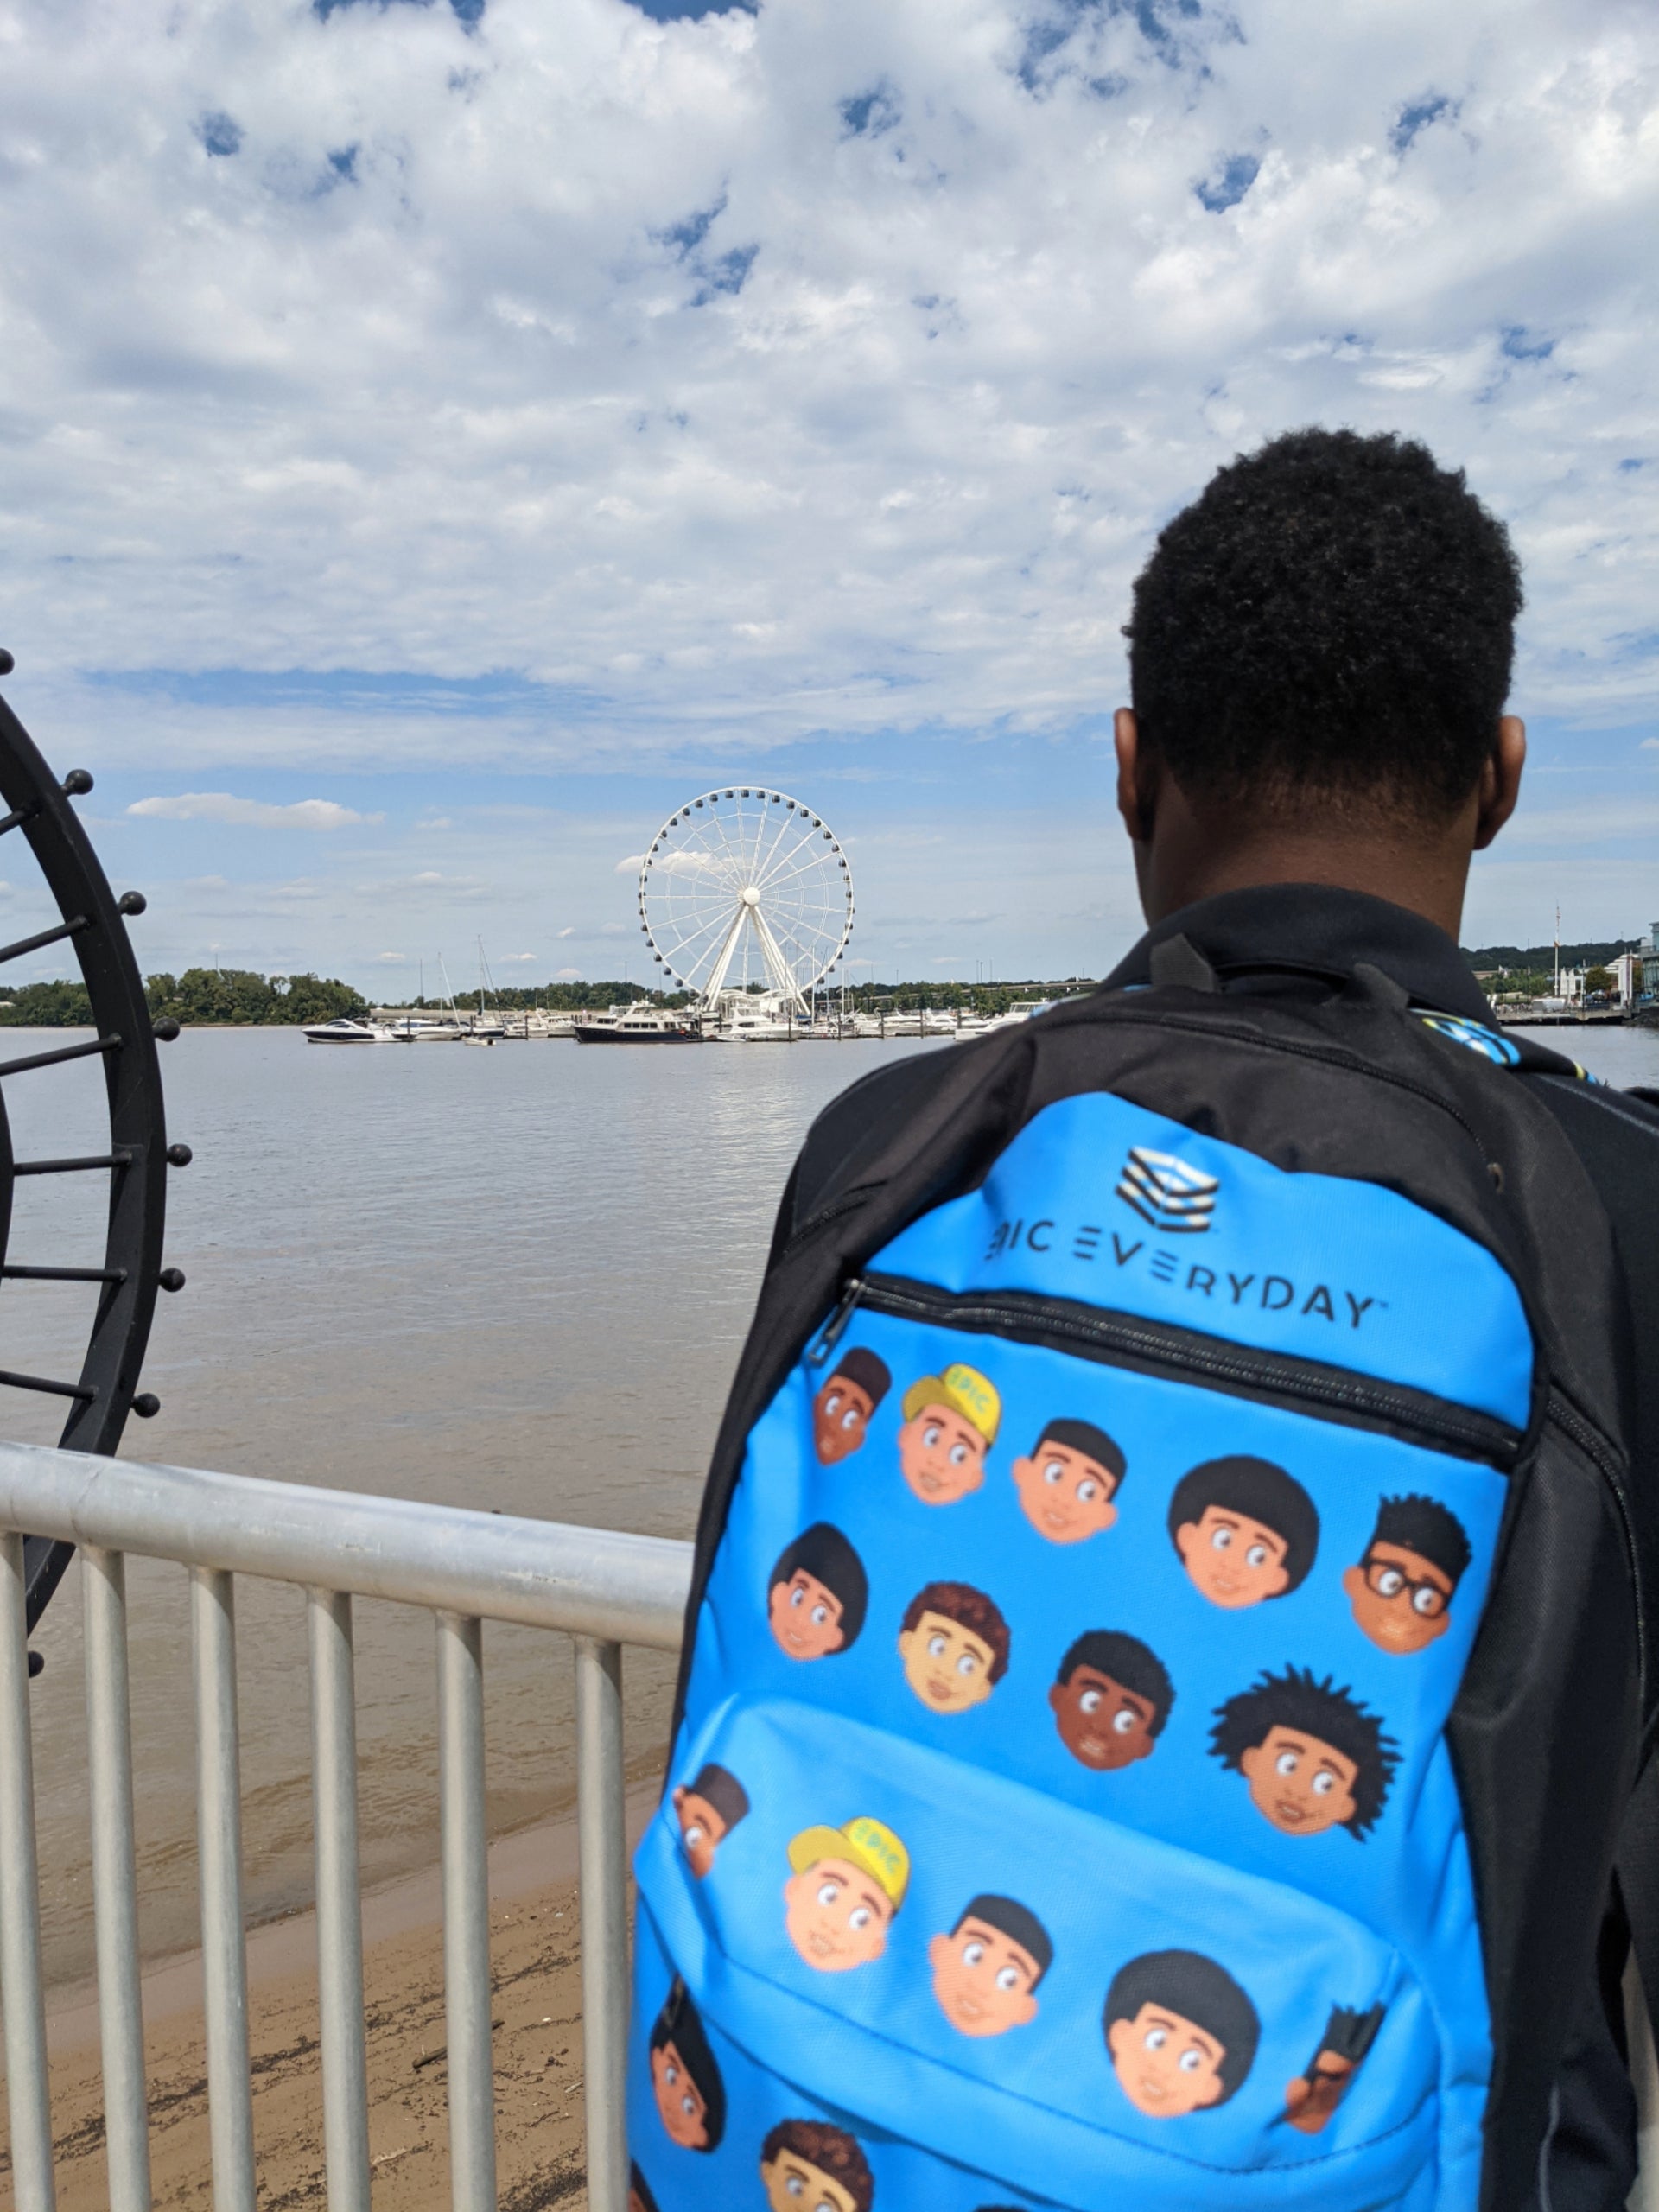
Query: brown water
[[517, 1278]]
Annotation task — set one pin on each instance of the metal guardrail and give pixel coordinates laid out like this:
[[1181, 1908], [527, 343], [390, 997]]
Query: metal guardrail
[[604, 1589]]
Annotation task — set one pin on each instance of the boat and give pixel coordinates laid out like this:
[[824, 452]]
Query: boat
[[640, 1023], [417, 1030], [343, 1030]]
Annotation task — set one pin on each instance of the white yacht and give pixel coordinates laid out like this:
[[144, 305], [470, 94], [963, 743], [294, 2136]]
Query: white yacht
[[640, 1023], [417, 1030], [342, 1030]]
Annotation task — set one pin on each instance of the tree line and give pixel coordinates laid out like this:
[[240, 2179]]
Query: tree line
[[236, 997]]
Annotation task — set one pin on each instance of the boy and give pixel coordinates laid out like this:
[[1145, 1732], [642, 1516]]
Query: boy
[[709, 1809], [1314, 1757], [841, 1410], [817, 1595], [1069, 1485], [1401, 1590], [950, 1423], [955, 1645], [685, 2079], [844, 1890], [808, 2166], [1181, 2032], [1314, 2096], [987, 1969], [1110, 1699], [1245, 1530]]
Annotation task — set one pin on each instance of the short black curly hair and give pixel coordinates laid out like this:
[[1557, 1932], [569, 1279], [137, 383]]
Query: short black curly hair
[[1332, 619], [1295, 1699]]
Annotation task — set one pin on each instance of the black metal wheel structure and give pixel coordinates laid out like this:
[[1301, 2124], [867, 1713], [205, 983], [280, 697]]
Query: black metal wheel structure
[[93, 925]]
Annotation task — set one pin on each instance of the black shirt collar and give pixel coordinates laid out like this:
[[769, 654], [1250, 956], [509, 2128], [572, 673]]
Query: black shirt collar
[[1312, 926]]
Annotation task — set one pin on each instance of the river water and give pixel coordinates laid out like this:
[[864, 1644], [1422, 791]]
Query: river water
[[516, 1278]]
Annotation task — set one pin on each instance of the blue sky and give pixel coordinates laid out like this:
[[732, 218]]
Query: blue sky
[[437, 441]]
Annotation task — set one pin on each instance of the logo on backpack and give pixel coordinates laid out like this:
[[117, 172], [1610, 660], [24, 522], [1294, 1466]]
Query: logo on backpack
[[1168, 1193]]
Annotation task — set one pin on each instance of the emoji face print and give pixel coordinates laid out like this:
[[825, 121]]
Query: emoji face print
[[1313, 2095], [1067, 1484], [817, 1595], [841, 1410], [808, 2166], [953, 1642], [1302, 1785], [1314, 1756], [1101, 1723], [1167, 2066], [1401, 1590], [1246, 1531], [950, 1423], [987, 1969], [844, 1888], [805, 1617], [1181, 2033], [708, 1809], [836, 1915], [1233, 1561], [685, 2081], [1110, 1699]]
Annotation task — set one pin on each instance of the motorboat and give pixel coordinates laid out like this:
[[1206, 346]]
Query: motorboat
[[416, 1030], [343, 1030], [640, 1023]]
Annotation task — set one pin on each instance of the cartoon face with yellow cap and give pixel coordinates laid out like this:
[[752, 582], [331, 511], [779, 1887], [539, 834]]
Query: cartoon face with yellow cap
[[950, 1423], [845, 1887]]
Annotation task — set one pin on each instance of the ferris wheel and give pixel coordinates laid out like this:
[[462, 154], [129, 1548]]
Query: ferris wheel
[[744, 887]]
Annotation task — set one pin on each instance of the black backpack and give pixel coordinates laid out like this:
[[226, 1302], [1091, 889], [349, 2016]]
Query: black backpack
[[1166, 1653]]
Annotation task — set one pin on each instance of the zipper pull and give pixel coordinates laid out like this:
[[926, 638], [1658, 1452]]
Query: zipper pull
[[836, 1328]]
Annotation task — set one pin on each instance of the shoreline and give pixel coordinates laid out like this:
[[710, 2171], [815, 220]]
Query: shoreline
[[536, 1976]]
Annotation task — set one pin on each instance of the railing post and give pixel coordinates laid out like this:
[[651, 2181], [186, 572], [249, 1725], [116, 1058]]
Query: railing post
[[219, 1820], [465, 1913], [340, 1918], [115, 1887], [603, 1848], [28, 2088]]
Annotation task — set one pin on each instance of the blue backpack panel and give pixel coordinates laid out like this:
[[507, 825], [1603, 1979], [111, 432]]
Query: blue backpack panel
[[1062, 1809]]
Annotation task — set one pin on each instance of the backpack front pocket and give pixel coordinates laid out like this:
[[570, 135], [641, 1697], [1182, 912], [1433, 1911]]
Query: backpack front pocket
[[1035, 1999]]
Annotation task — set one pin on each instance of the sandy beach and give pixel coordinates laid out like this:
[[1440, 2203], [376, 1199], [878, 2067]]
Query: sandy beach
[[535, 1955]]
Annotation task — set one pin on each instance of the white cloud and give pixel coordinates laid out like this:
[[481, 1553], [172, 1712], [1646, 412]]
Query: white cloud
[[392, 959], [250, 813], [514, 959], [829, 368], [1649, 745], [631, 865], [565, 933]]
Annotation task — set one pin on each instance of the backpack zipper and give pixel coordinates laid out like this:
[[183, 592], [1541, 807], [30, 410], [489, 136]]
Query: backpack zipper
[[1119, 1339]]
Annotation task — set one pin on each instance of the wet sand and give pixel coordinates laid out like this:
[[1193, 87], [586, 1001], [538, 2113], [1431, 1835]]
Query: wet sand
[[536, 1957]]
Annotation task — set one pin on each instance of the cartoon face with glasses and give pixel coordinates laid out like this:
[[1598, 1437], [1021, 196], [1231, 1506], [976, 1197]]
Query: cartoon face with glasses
[[1401, 1590]]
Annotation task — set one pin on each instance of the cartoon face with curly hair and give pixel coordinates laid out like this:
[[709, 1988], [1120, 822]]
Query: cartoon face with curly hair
[[808, 2166]]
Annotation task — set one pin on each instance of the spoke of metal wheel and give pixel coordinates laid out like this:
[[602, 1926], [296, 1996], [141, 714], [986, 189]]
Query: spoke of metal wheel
[[66, 1053], [45, 937], [71, 1166], [14, 1382], [21, 1273]]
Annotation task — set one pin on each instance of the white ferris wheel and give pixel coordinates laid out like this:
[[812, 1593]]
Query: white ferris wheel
[[745, 887]]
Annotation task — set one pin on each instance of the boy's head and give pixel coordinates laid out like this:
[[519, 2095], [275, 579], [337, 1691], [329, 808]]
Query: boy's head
[[844, 1887], [1244, 1529], [709, 1809], [987, 1969], [1401, 1590], [1325, 635], [640, 2197], [1312, 2098], [1181, 2032], [841, 1410], [950, 1423], [953, 1642], [685, 2079], [808, 2166], [817, 1594], [1110, 1699], [1069, 1483], [1314, 1757]]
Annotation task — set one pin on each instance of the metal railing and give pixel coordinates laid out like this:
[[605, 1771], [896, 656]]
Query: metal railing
[[603, 1589]]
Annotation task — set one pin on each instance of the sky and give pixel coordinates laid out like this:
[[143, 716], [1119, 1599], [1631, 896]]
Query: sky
[[438, 441]]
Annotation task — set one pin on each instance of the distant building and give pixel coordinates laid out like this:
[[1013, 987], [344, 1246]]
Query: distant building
[[1649, 957], [1627, 977]]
